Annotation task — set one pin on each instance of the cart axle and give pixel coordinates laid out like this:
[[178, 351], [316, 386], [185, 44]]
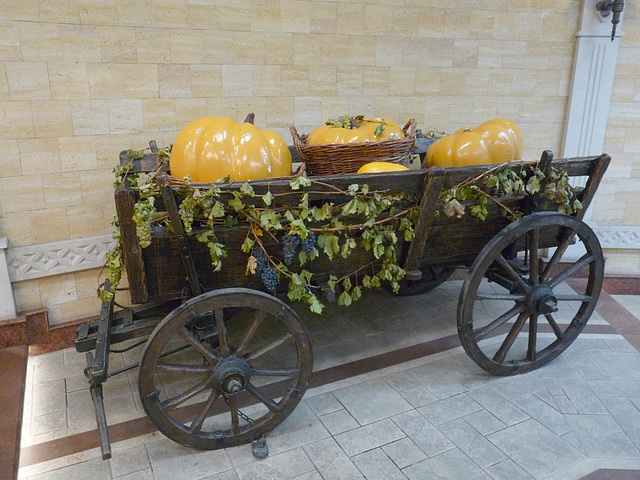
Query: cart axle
[[541, 300]]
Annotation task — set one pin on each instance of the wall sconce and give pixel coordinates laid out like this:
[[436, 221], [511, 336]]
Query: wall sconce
[[606, 7]]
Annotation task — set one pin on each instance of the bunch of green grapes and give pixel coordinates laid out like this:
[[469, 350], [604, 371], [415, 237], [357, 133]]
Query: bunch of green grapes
[[142, 218], [186, 210], [115, 265], [344, 121]]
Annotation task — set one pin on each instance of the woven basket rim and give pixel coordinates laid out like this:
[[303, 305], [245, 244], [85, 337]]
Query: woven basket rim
[[321, 159], [409, 130]]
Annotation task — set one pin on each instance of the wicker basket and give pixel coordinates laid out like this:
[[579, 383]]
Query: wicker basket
[[337, 159]]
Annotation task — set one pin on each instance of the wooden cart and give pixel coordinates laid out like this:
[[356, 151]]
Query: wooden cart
[[225, 362]]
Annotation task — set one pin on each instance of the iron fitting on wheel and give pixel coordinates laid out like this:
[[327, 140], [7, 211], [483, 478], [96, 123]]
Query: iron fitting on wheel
[[231, 375], [541, 301]]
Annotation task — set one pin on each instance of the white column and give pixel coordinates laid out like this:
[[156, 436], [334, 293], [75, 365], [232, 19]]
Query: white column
[[7, 301], [592, 83], [591, 87]]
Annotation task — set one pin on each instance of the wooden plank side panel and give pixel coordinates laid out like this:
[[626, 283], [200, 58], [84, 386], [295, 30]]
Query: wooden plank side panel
[[457, 241], [167, 278], [451, 241]]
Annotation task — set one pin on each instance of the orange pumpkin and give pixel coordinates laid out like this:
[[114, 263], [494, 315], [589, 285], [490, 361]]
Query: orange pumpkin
[[212, 148], [495, 141]]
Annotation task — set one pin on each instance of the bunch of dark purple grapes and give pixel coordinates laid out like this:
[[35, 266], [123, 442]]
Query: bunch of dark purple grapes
[[290, 244], [267, 273]]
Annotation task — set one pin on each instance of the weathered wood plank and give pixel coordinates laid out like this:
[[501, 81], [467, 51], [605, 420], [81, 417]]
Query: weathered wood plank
[[596, 173], [176, 223], [125, 199], [428, 203]]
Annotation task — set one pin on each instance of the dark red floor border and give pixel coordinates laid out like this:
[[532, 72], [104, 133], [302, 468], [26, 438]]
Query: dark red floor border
[[611, 474], [13, 361]]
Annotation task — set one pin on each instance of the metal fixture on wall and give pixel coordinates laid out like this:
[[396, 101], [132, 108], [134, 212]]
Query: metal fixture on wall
[[606, 8]]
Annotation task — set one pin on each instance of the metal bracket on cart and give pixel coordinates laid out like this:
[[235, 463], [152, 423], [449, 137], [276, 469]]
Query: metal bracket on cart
[[259, 447]]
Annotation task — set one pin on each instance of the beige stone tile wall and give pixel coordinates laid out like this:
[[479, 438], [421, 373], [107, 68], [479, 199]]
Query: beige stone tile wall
[[81, 80]]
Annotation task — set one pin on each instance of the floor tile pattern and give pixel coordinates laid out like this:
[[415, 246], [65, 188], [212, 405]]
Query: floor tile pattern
[[437, 416]]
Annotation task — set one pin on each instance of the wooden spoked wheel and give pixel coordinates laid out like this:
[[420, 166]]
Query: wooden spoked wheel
[[530, 292], [224, 368], [431, 278]]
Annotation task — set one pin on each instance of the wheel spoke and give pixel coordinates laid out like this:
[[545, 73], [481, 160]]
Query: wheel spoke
[[190, 369], [270, 404], [555, 327], [251, 331], [196, 425], [512, 273], [532, 353], [511, 337], [187, 394], [268, 347], [275, 372], [481, 333], [188, 335], [534, 275], [557, 255], [574, 298], [509, 297], [222, 333], [585, 260], [235, 419]]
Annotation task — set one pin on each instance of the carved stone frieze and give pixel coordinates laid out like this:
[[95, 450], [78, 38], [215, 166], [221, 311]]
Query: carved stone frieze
[[36, 261], [616, 237]]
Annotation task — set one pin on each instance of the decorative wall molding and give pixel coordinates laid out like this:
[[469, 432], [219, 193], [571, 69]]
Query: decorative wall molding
[[46, 259], [622, 238]]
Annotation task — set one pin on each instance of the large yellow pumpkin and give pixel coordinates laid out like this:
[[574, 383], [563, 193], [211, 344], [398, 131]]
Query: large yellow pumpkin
[[495, 141], [363, 130], [212, 148]]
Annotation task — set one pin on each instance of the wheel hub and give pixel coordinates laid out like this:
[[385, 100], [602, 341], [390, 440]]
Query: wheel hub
[[231, 375], [541, 301]]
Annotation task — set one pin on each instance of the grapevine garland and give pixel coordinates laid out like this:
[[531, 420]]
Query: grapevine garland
[[510, 179], [305, 229]]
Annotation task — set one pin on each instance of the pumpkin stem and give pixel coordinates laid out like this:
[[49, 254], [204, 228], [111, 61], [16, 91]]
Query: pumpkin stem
[[250, 118], [354, 123], [467, 130]]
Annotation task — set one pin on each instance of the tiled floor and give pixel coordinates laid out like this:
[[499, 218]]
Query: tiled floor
[[412, 405]]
